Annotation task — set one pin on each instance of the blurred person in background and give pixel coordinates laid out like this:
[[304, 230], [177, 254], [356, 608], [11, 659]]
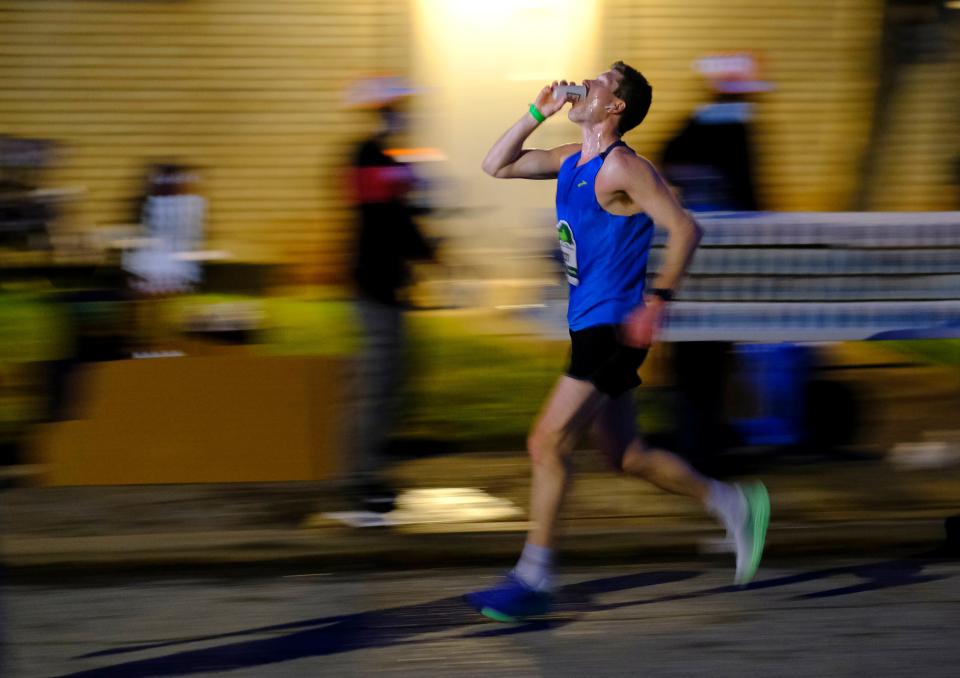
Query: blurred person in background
[[710, 161], [25, 213], [162, 266], [608, 199], [173, 216], [388, 240]]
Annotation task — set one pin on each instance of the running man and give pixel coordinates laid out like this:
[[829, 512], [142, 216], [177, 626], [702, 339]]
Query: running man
[[608, 199]]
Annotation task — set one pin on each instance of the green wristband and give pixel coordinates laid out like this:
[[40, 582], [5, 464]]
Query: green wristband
[[537, 115]]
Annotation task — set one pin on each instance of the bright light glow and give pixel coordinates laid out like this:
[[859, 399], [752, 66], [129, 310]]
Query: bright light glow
[[477, 12], [952, 4], [483, 60], [482, 63], [518, 40]]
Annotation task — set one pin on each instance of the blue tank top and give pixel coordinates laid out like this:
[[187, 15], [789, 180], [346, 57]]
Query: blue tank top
[[605, 255]]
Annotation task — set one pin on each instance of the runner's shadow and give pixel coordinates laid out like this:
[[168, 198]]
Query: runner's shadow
[[333, 635], [406, 624]]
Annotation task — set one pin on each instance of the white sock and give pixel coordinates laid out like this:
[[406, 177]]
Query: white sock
[[726, 503], [535, 567]]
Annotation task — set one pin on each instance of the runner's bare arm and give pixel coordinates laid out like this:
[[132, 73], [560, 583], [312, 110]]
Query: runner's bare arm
[[638, 187], [507, 159], [532, 163]]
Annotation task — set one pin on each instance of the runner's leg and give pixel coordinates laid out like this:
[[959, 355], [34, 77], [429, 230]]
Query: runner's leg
[[615, 431], [743, 510], [565, 416]]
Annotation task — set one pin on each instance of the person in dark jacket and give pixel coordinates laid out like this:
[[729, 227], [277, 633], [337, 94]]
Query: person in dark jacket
[[710, 161], [388, 241]]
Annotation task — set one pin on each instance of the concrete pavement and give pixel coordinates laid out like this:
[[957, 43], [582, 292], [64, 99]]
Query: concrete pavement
[[814, 617]]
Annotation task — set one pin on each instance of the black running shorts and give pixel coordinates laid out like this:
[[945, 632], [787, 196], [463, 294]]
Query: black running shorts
[[598, 356]]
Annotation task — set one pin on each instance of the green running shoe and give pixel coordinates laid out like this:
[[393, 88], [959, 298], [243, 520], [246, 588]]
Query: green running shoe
[[752, 534]]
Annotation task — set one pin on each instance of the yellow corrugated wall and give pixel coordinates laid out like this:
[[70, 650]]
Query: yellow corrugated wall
[[249, 90], [822, 56]]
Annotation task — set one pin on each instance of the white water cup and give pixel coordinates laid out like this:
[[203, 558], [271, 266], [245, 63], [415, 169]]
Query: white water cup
[[575, 92]]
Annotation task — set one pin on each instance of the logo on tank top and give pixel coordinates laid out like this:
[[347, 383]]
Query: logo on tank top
[[568, 247]]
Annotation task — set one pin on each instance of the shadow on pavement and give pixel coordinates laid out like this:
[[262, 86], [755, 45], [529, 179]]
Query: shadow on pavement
[[875, 576], [401, 625], [334, 635]]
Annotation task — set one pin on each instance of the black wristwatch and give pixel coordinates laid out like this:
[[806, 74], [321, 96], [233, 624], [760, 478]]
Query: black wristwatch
[[662, 292]]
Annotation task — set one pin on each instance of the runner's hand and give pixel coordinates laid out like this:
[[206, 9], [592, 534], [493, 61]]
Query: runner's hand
[[641, 326], [545, 102]]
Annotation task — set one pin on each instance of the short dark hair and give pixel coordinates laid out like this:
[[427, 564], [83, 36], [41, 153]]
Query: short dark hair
[[636, 93]]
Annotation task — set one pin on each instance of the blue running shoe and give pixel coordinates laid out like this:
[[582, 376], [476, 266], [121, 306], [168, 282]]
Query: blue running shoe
[[509, 601]]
